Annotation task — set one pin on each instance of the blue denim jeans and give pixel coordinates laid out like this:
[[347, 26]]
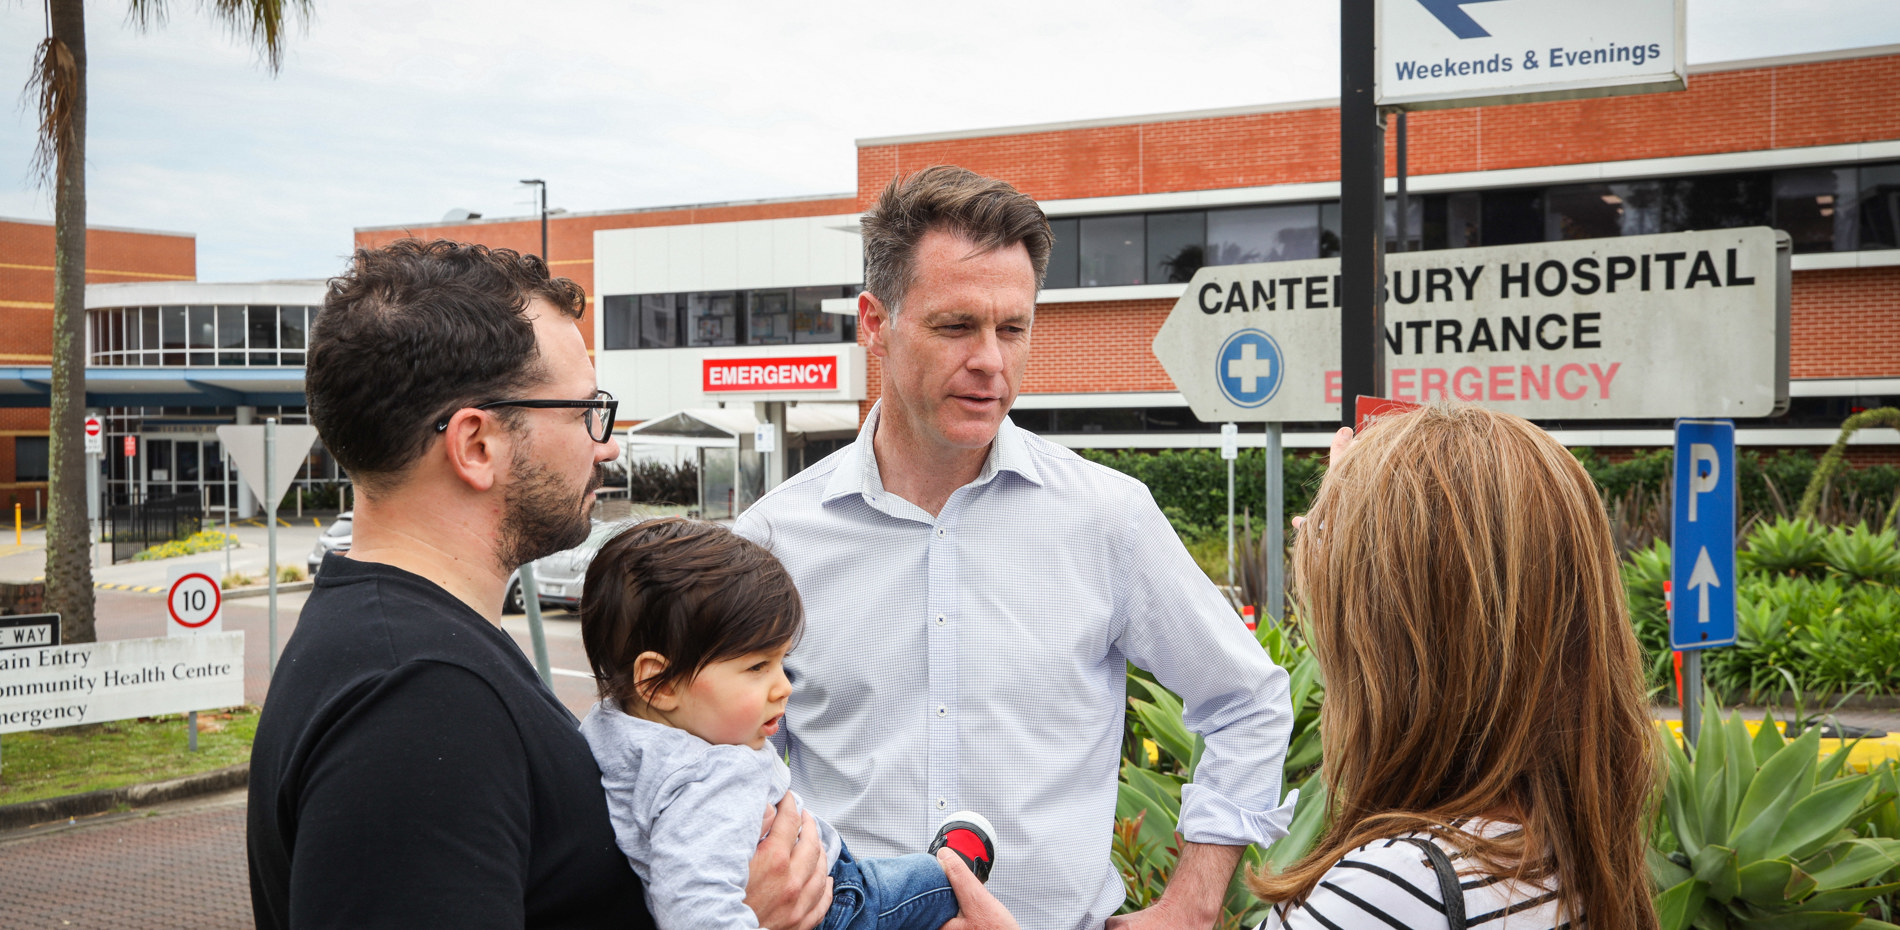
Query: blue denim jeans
[[895, 893]]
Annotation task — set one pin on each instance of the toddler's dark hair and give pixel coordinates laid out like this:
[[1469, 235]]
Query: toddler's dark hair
[[696, 593]]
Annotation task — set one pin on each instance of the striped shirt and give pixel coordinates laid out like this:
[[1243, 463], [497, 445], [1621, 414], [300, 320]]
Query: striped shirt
[[978, 660], [1391, 883]]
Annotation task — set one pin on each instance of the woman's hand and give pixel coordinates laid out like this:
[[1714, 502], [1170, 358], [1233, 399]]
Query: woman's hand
[[977, 909]]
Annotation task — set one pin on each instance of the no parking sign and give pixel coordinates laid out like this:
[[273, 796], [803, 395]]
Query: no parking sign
[[194, 602]]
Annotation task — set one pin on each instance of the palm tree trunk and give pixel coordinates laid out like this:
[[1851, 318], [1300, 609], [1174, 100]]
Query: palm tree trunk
[[68, 534]]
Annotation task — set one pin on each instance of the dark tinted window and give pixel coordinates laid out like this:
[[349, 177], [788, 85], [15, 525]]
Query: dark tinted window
[[1817, 207], [1717, 201], [1513, 216], [1175, 246], [712, 319], [769, 317], [1063, 256], [659, 321], [1879, 205], [617, 324], [1276, 233], [1111, 250]]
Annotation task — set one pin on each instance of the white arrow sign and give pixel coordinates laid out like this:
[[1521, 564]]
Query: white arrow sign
[[1701, 579], [246, 445]]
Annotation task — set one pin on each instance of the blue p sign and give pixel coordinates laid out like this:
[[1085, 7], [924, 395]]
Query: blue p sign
[[1249, 366]]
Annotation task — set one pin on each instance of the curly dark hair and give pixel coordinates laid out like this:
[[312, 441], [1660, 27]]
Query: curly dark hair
[[416, 329], [696, 593]]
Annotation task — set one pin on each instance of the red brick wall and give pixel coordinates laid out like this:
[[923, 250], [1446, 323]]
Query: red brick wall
[[1791, 106], [571, 239], [1845, 324], [26, 309]]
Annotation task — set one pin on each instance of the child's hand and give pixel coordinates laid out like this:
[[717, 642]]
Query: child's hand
[[977, 908]]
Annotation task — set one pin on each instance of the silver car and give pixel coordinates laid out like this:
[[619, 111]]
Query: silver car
[[558, 577], [335, 538]]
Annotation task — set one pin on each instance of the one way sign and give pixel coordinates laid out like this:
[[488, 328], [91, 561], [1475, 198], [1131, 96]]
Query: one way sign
[[1703, 573]]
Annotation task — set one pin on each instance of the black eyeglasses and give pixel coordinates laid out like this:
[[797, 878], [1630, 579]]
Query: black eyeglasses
[[600, 412]]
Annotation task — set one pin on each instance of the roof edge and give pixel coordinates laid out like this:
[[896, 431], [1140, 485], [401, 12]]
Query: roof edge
[[1717, 67], [486, 220], [101, 228]]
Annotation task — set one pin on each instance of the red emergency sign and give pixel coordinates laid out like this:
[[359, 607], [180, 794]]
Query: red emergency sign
[[770, 374]]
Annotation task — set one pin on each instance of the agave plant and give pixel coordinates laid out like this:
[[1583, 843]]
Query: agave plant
[[1785, 547], [1861, 554], [1760, 831]]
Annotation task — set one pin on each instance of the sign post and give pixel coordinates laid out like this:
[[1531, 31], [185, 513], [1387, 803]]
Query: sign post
[[194, 602], [1273, 535], [268, 458], [1703, 570], [1230, 450]]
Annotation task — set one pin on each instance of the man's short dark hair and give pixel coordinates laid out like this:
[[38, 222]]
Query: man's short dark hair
[[696, 593], [415, 331], [988, 212]]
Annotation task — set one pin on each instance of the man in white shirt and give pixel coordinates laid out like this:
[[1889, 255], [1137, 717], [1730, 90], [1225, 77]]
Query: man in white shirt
[[973, 594]]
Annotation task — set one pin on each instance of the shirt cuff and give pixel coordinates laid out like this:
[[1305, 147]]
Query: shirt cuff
[[1211, 819]]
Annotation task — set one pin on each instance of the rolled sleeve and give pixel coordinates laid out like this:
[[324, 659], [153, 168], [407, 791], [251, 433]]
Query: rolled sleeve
[[1179, 627]]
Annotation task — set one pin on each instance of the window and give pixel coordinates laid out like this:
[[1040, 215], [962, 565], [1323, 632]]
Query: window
[[1111, 250], [1512, 217], [659, 321], [1062, 255], [1717, 201], [1175, 245], [769, 318], [262, 330], [712, 318], [1879, 206], [172, 334], [290, 334], [202, 331], [1593, 211], [1278, 233], [1817, 207], [30, 459], [231, 336], [811, 324], [617, 323]]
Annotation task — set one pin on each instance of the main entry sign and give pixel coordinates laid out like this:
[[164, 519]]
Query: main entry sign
[[1445, 53], [1636, 327]]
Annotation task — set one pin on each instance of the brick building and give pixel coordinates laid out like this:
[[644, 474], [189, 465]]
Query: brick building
[[1798, 143], [113, 256]]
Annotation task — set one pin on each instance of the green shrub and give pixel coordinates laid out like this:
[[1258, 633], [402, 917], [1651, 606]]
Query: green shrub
[[206, 541], [1193, 482]]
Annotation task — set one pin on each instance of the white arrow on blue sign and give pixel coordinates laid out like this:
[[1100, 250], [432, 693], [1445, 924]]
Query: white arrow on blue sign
[[1703, 571]]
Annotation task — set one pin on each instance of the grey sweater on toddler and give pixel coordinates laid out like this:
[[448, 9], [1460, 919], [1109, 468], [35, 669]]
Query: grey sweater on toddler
[[686, 813]]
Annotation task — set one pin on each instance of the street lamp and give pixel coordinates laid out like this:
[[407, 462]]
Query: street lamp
[[544, 214]]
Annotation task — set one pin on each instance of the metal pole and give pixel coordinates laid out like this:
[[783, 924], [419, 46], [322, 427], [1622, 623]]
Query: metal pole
[[1404, 204], [531, 600], [1274, 540], [1362, 211], [1691, 696], [544, 221], [228, 503], [1230, 523], [191, 731], [270, 527]]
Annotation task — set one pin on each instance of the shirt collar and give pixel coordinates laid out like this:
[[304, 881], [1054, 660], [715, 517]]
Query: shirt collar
[[857, 472]]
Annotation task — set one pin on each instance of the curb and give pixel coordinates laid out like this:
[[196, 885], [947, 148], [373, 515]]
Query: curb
[[260, 590], [47, 810]]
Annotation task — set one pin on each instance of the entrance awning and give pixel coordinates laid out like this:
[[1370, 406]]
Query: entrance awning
[[723, 426], [161, 387]]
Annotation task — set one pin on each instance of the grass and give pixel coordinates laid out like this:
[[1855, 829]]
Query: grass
[[40, 764]]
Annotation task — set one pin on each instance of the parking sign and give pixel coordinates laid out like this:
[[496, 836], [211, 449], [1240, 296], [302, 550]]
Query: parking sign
[[1703, 572]]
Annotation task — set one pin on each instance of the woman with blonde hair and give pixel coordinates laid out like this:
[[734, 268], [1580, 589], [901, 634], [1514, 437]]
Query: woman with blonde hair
[[1488, 752]]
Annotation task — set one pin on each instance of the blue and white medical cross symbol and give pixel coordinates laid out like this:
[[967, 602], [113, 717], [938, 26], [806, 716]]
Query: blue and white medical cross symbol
[[1248, 368]]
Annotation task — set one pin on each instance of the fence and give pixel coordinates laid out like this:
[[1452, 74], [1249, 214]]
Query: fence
[[134, 527]]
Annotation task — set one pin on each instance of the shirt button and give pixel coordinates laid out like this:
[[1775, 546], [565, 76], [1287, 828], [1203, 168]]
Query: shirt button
[[942, 710], [940, 532], [940, 619], [942, 803]]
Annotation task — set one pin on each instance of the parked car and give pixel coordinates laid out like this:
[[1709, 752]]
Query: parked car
[[335, 538], [558, 577]]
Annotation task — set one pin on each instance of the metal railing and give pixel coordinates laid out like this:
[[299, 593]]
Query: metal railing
[[133, 527]]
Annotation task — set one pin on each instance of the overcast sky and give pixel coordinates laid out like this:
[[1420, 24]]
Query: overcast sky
[[397, 111]]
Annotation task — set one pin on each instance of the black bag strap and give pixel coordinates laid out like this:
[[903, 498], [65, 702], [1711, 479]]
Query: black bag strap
[[1448, 886]]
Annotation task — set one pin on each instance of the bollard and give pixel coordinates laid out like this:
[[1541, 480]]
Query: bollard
[[19, 535]]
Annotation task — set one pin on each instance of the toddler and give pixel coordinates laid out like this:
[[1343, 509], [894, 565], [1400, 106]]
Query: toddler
[[686, 627]]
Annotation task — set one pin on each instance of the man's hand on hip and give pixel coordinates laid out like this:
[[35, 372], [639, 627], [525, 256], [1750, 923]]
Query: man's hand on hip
[[787, 886], [1194, 894]]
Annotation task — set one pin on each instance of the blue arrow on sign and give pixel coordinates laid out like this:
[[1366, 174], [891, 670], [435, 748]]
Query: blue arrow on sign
[[1458, 21], [1702, 612]]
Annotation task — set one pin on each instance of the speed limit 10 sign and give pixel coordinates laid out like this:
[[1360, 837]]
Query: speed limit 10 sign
[[194, 601]]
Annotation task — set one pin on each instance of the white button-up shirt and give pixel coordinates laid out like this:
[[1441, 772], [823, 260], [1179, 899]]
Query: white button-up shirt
[[977, 660]]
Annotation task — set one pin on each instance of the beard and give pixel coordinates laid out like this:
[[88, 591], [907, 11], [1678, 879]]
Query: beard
[[542, 514]]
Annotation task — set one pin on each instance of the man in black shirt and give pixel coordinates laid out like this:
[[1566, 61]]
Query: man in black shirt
[[410, 769]]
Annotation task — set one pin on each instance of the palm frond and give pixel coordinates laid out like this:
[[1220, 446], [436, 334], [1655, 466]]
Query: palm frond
[[52, 91]]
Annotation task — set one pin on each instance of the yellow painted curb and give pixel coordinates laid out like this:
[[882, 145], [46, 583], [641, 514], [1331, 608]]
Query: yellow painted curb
[[1866, 753]]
